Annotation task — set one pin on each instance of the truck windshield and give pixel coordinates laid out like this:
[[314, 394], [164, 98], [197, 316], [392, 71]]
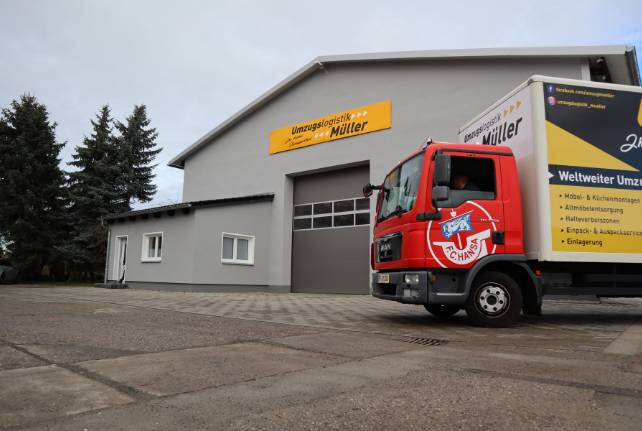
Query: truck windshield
[[400, 188]]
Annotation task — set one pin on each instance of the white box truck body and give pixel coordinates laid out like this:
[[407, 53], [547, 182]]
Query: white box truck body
[[578, 147]]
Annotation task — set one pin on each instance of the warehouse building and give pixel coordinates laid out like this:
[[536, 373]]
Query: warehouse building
[[272, 196]]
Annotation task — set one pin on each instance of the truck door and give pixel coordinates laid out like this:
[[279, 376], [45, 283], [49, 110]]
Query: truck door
[[472, 222]]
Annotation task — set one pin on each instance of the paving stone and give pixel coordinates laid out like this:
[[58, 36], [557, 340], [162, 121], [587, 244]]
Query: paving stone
[[588, 325]]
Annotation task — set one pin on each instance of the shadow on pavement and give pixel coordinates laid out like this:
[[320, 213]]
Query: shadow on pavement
[[558, 318]]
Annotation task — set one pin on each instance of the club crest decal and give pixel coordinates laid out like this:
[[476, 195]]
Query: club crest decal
[[456, 225], [458, 242]]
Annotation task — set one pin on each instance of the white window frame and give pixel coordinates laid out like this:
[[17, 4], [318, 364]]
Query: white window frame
[[250, 249], [331, 214], [144, 253]]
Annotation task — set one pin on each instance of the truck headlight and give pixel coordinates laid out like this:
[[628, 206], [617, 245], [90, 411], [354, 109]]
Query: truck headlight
[[411, 278]]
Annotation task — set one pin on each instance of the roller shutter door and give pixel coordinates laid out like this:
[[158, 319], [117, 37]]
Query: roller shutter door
[[330, 250]]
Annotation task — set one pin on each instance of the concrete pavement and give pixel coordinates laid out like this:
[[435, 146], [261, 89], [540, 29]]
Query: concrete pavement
[[86, 358]]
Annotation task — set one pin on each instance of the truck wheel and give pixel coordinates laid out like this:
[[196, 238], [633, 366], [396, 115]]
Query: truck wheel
[[495, 300], [442, 311]]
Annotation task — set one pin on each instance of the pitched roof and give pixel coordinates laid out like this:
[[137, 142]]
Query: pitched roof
[[618, 57]]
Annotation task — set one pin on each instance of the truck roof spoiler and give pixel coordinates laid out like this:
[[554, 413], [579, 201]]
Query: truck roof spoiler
[[461, 150]]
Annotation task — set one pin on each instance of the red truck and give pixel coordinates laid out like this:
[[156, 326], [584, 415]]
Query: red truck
[[555, 209]]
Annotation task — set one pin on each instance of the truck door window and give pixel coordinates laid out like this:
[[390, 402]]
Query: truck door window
[[399, 192], [471, 178]]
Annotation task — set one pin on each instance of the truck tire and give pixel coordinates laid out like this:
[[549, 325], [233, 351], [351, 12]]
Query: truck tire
[[495, 300], [442, 311]]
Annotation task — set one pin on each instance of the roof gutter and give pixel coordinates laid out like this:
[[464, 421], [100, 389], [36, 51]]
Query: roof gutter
[[186, 207], [632, 60]]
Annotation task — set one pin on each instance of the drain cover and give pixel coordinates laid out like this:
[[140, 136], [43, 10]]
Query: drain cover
[[425, 341]]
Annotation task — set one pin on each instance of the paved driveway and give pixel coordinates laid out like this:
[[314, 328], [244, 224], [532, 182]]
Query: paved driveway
[[84, 358]]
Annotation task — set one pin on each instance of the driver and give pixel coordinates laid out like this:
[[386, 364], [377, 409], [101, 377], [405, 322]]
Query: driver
[[463, 182]]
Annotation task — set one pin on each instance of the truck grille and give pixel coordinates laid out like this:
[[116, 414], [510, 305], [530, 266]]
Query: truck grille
[[389, 248]]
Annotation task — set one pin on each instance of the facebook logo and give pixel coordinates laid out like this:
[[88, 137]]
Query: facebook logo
[[550, 88]]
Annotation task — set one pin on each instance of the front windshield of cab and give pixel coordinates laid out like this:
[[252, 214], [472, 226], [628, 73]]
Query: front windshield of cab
[[400, 188]]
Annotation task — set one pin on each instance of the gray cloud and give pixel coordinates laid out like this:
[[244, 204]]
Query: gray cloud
[[195, 63]]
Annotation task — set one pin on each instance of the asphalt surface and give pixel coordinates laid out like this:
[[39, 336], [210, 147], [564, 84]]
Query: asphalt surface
[[94, 359]]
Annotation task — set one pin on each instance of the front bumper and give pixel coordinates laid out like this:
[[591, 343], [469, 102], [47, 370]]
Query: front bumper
[[434, 287], [396, 289]]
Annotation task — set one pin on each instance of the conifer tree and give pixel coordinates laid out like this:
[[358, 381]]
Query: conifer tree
[[95, 188], [137, 142], [32, 187]]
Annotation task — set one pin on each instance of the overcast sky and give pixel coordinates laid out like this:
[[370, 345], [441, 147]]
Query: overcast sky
[[195, 63]]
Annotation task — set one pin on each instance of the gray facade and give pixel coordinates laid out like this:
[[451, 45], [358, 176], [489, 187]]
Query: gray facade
[[431, 95], [191, 252]]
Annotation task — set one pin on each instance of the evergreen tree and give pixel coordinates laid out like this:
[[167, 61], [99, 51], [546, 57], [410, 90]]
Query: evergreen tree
[[32, 187], [137, 142], [95, 191]]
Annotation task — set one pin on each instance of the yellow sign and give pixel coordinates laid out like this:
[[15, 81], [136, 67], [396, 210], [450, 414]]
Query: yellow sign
[[602, 220], [595, 183], [586, 217], [343, 124]]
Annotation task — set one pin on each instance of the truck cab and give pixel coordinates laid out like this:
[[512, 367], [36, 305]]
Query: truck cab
[[448, 234]]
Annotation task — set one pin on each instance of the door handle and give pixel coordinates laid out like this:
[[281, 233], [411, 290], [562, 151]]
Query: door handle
[[498, 237]]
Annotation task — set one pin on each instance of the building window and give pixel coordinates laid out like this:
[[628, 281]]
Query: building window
[[333, 214], [152, 247], [237, 249]]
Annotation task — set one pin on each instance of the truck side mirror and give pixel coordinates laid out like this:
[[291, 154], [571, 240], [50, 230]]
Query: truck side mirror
[[440, 193], [442, 170], [368, 188]]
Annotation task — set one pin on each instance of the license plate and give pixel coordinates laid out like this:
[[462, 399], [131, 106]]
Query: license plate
[[383, 278]]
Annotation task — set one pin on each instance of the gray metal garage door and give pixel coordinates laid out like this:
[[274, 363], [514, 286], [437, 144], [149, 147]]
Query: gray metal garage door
[[330, 250]]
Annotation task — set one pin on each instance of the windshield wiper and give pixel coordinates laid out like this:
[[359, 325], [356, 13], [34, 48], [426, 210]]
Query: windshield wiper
[[397, 211]]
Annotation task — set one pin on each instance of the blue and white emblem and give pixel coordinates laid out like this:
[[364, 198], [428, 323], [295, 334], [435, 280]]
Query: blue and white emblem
[[456, 225]]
